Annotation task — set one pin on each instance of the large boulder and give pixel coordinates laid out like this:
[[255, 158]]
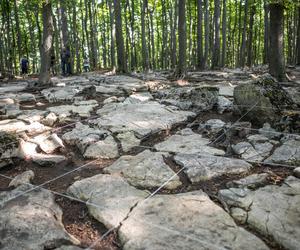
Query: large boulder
[[184, 221], [262, 99]]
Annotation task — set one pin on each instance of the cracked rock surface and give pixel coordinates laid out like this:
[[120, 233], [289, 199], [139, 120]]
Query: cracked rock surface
[[184, 221], [146, 170], [31, 221], [271, 210]]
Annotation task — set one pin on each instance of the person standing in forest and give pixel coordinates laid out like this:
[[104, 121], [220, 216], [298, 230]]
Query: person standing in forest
[[86, 64], [66, 61], [52, 63], [24, 63]]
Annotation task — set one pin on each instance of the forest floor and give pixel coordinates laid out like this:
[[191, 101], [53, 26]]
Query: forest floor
[[103, 161]]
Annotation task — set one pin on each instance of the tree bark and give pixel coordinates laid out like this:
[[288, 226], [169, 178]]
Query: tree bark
[[250, 38], [206, 21], [200, 58], [224, 34], [44, 77], [298, 38], [182, 38], [266, 34], [276, 64], [122, 67], [144, 44], [216, 51], [242, 59]]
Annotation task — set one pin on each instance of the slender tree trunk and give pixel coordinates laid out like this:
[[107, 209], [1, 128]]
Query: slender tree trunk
[[144, 44], [200, 60], [206, 21], [119, 38], [182, 38], [224, 34], [267, 33], [250, 38], [276, 64], [298, 38], [216, 51], [19, 37], [64, 24], [112, 36], [44, 77], [242, 59], [173, 34]]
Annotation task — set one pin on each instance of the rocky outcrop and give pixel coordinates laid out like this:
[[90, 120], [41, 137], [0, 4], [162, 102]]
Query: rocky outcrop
[[263, 100]]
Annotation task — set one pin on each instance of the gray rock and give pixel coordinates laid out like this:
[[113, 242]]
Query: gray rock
[[110, 100], [128, 141], [191, 98], [288, 154], [112, 194], [271, 210], [188, 144], [146, 170], [269, 132], [297, 172], [262, 99], [139, 98], [26, 97], [50, 119], [205, 167], [83, 136], [105, 149], [184, 221], [8, 148], [81, 109], [51, 143], [17, 126], [24, 178], [48, 160], [252, 181], [246, 151], [212, 126], [143, 119], [257, 139], [32, 221], [224, 104]]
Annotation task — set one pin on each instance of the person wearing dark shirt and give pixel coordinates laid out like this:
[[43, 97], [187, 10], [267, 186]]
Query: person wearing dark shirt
[[24, 63]]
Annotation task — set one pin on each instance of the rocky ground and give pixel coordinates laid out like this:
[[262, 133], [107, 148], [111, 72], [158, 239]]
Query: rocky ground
[[100, 161]]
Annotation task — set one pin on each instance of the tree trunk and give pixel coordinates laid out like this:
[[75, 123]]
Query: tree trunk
[[298, 38], [224, 32], [206, 21], [250, 38], [182, 38], [200, 58], [44, 77], [243, 46], [19, 37], [216, 51], [64, 24], [276, 64], [112, 36], [266, 34], [119, 38], [144, 44]]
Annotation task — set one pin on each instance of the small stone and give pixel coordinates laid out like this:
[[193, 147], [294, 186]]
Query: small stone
[[269, 132], [297, 172], [224, 104], [24, 178], [48, 160], [252, 181], [239, 214], [51, 143], [50, 119]]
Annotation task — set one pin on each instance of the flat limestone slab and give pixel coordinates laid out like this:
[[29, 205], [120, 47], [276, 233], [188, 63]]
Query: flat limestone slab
[[288, 153], [147, 170], [201, 167], [112, 194], [32, 221], [191, 143], [272, 210], [143, 119], [184, 221]]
